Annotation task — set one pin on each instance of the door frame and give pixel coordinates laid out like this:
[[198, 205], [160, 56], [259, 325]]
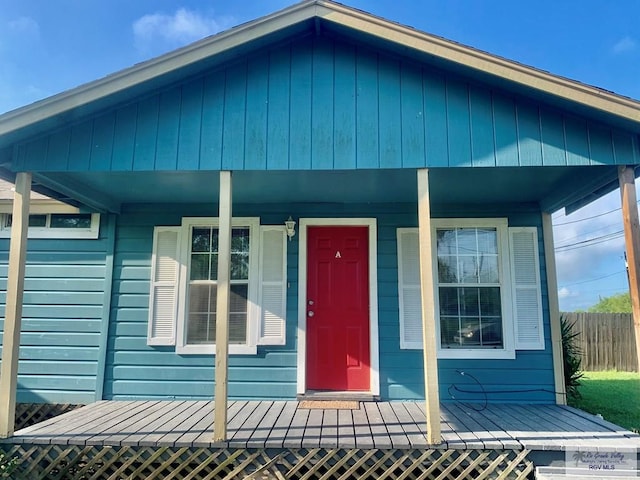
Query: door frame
[[304, 223]]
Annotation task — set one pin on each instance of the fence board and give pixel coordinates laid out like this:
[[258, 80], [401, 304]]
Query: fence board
[[607, 340]]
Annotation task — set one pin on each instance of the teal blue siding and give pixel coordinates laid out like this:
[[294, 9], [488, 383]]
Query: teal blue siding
[[62, 318], [322, 104], [135, 370]]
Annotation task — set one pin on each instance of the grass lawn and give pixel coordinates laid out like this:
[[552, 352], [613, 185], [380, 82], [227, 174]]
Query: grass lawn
[[614, 395]]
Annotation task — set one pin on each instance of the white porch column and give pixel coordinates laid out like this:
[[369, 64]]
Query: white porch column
[[554, 308], [626, 177], [13, 308], [222, 310], [428, 311]]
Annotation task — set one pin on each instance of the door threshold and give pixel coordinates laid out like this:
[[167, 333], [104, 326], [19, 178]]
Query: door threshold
[[337, 395]]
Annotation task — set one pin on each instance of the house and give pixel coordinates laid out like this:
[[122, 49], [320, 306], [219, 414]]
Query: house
[[314, 189]]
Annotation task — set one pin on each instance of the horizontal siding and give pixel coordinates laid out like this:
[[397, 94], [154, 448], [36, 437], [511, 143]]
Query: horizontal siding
[[322, 104], [138, 371], [62, 318]]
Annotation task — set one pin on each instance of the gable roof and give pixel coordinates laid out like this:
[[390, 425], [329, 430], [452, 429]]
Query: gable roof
[[304, 16]]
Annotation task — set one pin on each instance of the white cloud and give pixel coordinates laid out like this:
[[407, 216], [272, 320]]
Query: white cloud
[[624, 45], [177, 29], [564, 292]]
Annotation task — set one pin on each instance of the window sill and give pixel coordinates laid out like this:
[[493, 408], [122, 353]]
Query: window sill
[[211, 349], [468, 353], [476, 354]]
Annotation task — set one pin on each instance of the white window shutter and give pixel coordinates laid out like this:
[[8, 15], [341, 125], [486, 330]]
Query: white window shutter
[[409, 295], [163, 297], [527, 297], [273, 285]]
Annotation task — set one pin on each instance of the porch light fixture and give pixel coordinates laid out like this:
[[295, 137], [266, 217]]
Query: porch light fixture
[[290, 226]]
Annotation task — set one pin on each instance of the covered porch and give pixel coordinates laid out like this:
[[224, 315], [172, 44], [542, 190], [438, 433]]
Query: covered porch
[[283, 439]]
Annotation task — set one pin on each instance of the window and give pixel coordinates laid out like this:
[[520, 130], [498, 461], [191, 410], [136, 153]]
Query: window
[[57, 225], [202, 285], [183, 297], [487, 288], [469, 287]]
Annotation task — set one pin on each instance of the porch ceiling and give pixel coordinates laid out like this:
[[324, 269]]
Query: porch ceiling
[[552, 187]]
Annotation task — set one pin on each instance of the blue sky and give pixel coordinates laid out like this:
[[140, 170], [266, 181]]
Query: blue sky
[[50, 46]]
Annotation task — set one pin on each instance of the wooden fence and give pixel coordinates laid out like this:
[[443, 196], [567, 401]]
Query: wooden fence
[[607, 341]]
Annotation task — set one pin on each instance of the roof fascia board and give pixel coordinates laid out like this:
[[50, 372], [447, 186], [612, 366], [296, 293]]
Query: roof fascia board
[[476, 59], [148, 70]]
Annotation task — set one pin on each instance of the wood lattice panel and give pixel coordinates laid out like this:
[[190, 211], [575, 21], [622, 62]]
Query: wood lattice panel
[[30, 413], [58, 462]]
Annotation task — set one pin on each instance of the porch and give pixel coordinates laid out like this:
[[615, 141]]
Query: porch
[[284, 440], [286, 424]]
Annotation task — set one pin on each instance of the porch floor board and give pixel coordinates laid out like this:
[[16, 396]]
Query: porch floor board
[[281, 424]]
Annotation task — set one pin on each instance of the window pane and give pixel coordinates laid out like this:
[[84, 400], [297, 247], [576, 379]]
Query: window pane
[[201, 239], [489, 269], [34, 220], [237, 328], [446, 242], [467, 322], [447, 269], [200, 266], [77, 220], [199, 299], [201, 328], [449, 301], [468, 269], [466, 241], [490, 302], [491, 333], [469, 333], [238, 301], [37, 220], [213, 273], [240, 266], [449, 327], [240, 240], [487, 240], [469, 301]]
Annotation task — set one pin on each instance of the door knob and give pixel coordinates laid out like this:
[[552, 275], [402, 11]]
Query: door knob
[[310, 313]]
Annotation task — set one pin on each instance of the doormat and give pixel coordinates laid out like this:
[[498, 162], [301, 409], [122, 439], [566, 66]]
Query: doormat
[[330, 404]]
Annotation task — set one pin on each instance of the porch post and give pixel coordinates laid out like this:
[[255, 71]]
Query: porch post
[[222, 309], [13, 304], [432, 396], [626, 177], [554, 308]]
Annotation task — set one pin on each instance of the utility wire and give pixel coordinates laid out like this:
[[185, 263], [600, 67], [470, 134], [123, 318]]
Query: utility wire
[[590, 241], [593, 279], [589, 218]]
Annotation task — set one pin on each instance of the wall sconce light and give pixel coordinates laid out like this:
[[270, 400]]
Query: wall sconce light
[[290, 226]]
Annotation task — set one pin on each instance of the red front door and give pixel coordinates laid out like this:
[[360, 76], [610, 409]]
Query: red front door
[[338, 308]]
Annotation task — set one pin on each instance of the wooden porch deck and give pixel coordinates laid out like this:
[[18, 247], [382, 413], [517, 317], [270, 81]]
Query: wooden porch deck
[[282, 424]]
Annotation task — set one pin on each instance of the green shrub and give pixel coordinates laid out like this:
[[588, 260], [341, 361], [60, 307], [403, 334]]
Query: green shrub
[[571, 357]]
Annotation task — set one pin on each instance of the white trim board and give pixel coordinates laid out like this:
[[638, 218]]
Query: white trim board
[[371, 223]]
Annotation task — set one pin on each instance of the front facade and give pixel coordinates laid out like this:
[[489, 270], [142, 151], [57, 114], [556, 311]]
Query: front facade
[[328, 123]]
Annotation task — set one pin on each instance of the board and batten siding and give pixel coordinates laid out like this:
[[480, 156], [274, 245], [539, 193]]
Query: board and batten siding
[[320, 103], [65, 280], [138, 371]]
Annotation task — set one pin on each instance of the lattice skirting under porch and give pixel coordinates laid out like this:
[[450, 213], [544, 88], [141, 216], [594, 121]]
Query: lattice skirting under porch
[[29, 413], [56, 462]]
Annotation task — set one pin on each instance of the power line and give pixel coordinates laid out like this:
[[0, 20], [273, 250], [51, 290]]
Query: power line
[[591, 241], [589, 218], [593, 279]]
